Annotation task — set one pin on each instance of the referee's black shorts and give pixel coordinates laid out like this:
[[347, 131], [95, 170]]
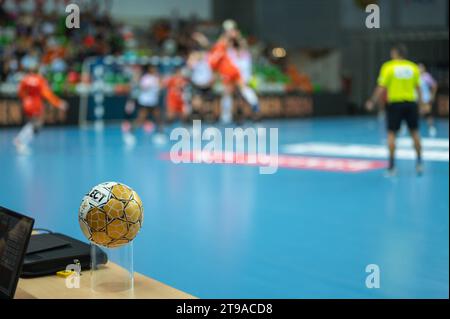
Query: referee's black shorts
[[402, 111]]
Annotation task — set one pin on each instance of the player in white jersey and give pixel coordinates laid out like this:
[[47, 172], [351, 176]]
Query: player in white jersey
[[428, 87], [242, 58], [202, 80], [201, 74], [229, 73], [148, 103]]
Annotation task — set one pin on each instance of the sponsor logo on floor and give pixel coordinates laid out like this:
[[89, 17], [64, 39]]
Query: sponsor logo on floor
[[284, 161]]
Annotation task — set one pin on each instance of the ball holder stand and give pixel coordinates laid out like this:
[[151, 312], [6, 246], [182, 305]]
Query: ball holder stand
[[104, 279]]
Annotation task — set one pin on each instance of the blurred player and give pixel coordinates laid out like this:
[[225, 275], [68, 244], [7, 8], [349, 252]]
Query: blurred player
[[149, 100], [33, 88], [242, 58], [148, 103], [176, 106], [134, 72], [221, 63], [401, 79], [429, 89], [202, 80]]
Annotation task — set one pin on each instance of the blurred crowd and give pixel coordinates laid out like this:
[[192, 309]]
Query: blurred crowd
[[36, 35]]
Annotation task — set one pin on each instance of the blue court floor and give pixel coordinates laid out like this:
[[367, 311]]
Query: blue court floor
[[225, 231]]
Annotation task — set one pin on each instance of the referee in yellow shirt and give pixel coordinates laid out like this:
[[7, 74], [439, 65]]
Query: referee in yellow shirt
[[400, 79]]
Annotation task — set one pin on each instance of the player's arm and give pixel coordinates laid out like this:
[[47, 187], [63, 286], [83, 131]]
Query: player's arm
[[380, 89], [201, 39], [376, 97], [51, 97], [192, 60]]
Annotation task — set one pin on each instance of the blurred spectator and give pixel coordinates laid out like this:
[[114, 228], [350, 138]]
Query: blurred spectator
[[298, 81], [38, 35]]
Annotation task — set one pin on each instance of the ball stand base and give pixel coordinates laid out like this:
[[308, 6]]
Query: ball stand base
[[121, 278]]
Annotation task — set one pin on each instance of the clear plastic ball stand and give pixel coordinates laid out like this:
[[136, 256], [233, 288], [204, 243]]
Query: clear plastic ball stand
[[117, 275]]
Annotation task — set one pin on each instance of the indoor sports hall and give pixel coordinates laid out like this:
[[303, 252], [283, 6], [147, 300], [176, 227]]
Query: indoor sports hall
[[330, 211]]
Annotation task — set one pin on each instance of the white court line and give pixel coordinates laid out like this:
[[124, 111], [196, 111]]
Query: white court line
[[404, 152], [426, 142]]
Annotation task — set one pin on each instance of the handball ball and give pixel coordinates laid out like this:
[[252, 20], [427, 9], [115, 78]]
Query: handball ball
[[229, 25], [111, 215]]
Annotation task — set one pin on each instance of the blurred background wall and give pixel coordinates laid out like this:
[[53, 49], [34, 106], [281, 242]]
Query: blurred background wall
[[326, 40], [339, 26], [140, 11]]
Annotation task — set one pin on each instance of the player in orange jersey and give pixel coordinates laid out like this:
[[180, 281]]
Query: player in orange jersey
[[32, 90], [175, 99], [221, 63]]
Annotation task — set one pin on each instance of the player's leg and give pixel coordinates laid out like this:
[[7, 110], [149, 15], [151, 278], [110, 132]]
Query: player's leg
[[184, 108], [415, 134], [392, 135], [38, 123], [412, 119], [171, 103], [204, 102], [239, 113], [250, 97], [196, 104], [157, 118], [142, 114], [24, 138], [35, 120], [200, 99], [141, 117], [227, 103], [394, 121], [130, 107], [170, 116], [432, 131], [159, 137], [428, 114]]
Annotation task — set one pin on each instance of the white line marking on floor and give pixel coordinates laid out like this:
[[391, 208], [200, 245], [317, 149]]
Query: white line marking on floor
[[433, 150]]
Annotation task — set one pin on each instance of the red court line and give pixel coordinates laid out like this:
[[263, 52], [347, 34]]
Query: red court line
[[284, 161]]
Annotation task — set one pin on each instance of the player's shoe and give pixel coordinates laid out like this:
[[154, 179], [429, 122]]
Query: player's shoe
[[390, 172], [160, 139], [432, 131], [149, 127], [126, 127], [419, 169], [22, 148], [129, 139]]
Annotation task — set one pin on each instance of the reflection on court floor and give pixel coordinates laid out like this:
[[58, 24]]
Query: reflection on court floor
[[227, 231]]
